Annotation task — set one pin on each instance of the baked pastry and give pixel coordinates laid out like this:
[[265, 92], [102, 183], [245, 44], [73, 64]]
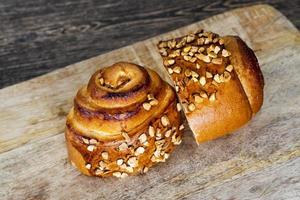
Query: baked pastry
[[217, 79], [124, 121]]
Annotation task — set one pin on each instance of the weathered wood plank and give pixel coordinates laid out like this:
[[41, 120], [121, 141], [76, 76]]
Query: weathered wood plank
[[39, 36], [41, 171], [33, 160]]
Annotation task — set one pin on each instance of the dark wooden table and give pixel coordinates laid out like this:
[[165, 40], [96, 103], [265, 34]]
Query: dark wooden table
[[38, 36]]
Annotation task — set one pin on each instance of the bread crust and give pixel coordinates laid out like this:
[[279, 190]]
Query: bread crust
[[112, 131], [226, 89], [247, 69]]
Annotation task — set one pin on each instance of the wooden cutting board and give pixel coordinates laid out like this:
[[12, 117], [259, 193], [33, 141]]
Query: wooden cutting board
[[259, 161]]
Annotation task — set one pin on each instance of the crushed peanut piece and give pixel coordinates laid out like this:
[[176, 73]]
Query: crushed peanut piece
[[104, 155], [212, 97], [151, 131], [165, 120], [146, 106]]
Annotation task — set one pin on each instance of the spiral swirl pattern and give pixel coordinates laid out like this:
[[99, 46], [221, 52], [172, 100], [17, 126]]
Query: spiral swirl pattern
[[122, 122]]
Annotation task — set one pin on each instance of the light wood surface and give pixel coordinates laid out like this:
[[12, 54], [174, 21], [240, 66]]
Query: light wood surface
[[260, 161]]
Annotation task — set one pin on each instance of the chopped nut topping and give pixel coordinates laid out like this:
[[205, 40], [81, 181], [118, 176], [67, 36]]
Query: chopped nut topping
[[225, 53], [202, 80], [212, 97], [139, 151], [162, 44], [165, 120], [98, 171], [153, 102], [187, 58], [147, 106], [123, 146], [200, 41], [129, 169], [143, 138], [85, 141], [181, 127], [198, 66], [201, 49], [217, 49], [222, 78], [191, 54], [104, 155], [93, 141], [120, 161], [176, 88], [203, 57], [191, 107], [227, 76], [221, 41], [117, 174], [181, 43], [229, 68], [146, 143], [168, 133], [163, 52], [203, 94], [215, 40], [171, 44], [194, 49], [210, 48], [177, 142], [170, 70], [124, 175], [178, 107], [208, 75], [212, 54], [91, 147], [173, 55], [101, 81], [151, 131], [187, 73], [166, 155], [145, 170], [187, 49], [185, 107], [169, 62], [217, 78], [198, 99], [190, 38], [157, 153], [194, 74], [193, 59], [194, 79], [217, 61], [177, 69], [150, 97], [88, 166], [207, 40], [132, 162]]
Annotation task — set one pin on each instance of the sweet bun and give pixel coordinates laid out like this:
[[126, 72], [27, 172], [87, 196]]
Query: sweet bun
[[123, 122], [217, 79]]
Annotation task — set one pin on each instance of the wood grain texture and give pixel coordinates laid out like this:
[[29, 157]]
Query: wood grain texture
[[40, 36], [260, 161]]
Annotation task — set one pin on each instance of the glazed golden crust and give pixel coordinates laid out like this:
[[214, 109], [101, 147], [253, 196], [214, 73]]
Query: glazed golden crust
[[217, 79], [122, 122], [247, 68]]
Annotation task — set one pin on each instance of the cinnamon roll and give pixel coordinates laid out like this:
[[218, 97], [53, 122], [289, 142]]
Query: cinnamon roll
[[124, 121]]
